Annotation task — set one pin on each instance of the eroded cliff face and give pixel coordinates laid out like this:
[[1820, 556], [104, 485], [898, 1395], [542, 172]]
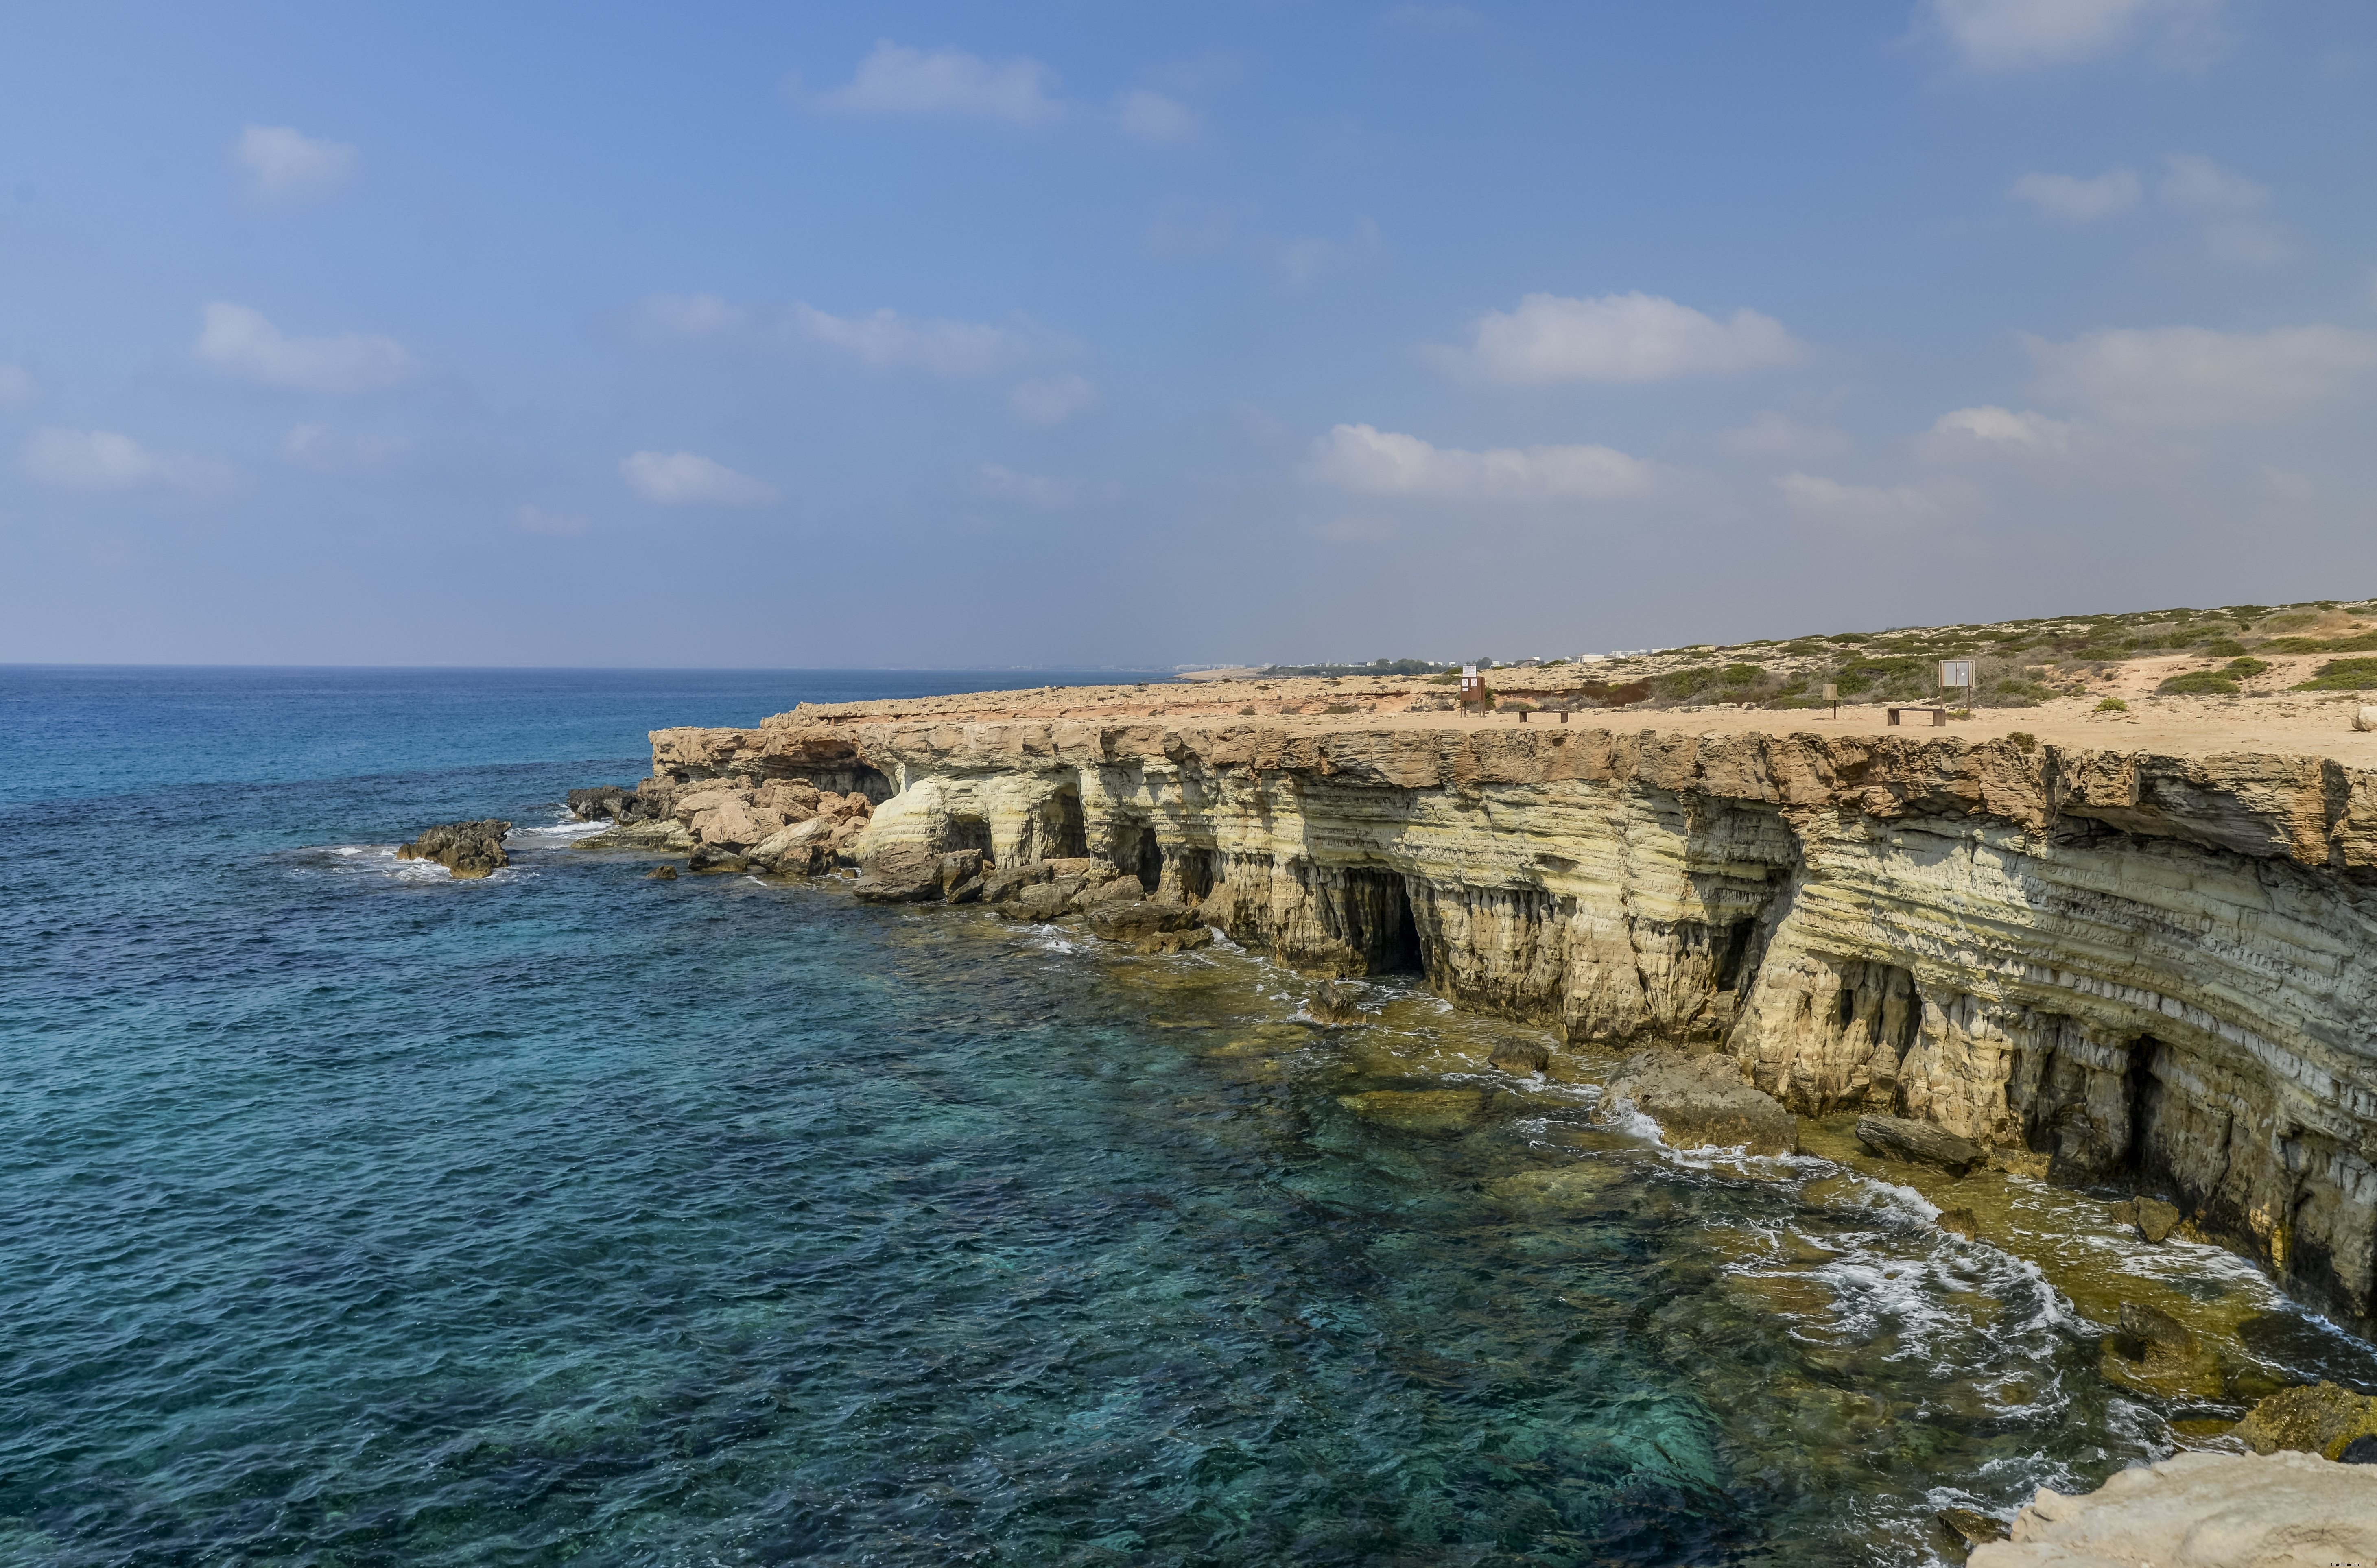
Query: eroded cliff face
[[2148, 969]]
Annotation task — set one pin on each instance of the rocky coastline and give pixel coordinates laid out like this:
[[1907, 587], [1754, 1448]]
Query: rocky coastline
[[2140, 972]]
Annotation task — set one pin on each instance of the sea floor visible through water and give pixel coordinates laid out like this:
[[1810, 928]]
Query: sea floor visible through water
[[363, 1217]]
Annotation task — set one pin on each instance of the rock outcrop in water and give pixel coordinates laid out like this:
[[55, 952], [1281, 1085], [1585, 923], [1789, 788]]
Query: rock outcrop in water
[[2201, 1510], [2148, 969], [466, 849]]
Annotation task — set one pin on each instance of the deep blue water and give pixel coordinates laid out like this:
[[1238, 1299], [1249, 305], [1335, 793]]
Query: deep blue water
[[360, 1217]]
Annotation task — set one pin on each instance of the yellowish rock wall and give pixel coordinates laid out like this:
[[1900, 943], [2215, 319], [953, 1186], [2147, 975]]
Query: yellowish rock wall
[[2150, 968]]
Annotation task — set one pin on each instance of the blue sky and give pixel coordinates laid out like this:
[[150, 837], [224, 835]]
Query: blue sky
[[918, 335]]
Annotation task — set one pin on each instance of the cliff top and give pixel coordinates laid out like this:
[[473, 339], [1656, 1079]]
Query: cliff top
[[2314, 723]]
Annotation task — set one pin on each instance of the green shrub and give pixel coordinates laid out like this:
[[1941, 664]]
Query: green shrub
[[2223, 648], [2023, 741], [2343, 674], [2199, 683], [2364, 643], [1740, 674], [2245, 669], [1444, 680], [1246, 713], [2112, 705], [1688, 683], [1340, 708]]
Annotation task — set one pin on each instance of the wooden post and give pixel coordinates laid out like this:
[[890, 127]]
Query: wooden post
[[1833, 696]]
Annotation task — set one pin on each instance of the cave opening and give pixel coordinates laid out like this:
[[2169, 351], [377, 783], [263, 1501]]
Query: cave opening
[[966, 833], [1067, 835]]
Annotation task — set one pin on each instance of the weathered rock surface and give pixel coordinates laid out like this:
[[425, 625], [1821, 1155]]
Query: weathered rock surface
[[1426, 1113], [2154, 1353], [2121, 966], [2314, 1419], [467, 849], [1917, 1142], [2201, 1510], [1126, 919], [1700, 1101]]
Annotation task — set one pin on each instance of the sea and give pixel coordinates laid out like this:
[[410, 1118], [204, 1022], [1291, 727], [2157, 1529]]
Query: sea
[[357, 1215]]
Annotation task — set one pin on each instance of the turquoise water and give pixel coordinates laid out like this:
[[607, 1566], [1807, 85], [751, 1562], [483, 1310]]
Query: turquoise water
[[360, 1217]]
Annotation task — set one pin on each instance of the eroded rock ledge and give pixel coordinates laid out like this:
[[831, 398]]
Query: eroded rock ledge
[[2150, 969]]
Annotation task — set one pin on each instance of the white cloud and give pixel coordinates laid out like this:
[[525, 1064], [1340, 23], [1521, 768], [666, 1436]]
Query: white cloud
[[2241, 243], [1634, 337], [1033, 490], [2069, 195], [103, 460], [1050, 400], [1865, 507], [896, 79], [1305, 259], [334, 451], [687, 479], [2192, 180], [1991, 427], [885, 340], [285, 165], [18, 388], [1151, 117], [2192, 375], [1773, 435], [532, 519], [1375, 463], [2008, 34], [240, 342]]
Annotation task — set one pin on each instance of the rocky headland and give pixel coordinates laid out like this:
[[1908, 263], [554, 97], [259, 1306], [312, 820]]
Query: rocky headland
[[2138, 970]]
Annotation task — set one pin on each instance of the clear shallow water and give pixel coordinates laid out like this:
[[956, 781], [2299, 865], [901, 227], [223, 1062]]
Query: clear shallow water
[[361, 1216]]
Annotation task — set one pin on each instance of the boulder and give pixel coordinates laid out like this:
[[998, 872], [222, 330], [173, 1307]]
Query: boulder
[[959, 867], [1970, 1526], [1525, 1058], [735, 823], [2156, 1219], [1336, 1002], [601, 804], [2201, 1511], [2313, 1419], [802, 849], [716, 858], [661, 874], [1917, 1142], [694, 802], [1700, 1101], [901, 873], [1116, 885], [1045, 901], [1960, 1222], [467, 849], [1132, 920], [1003, 882]]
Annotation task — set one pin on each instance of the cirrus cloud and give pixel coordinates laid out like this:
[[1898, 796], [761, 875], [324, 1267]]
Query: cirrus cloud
[[240, 342], [883, 340], [1619, 338], [1991, 427], [688, 479], [1866, 508], [1371, 462], [2069, 195]]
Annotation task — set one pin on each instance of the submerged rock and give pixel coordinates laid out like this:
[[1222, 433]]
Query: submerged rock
[[467, 849], [1971, 1525], [2154, 1353], [661, 874], [2204, 1510], [1960, 1222], [2313, 1418], [1917, 1142], [2156, 1219], [1427, 1113], [1703, 1100]]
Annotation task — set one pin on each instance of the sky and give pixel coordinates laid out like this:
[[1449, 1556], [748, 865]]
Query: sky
[[1102, 334]]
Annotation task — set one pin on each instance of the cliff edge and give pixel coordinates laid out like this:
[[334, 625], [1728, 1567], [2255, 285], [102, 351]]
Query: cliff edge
[[2136, 966]]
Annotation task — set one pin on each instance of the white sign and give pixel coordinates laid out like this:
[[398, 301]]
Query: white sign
[[1956, 673]]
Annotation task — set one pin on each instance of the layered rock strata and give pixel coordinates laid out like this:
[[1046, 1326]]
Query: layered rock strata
[[2143, 970], [2201, 1510]]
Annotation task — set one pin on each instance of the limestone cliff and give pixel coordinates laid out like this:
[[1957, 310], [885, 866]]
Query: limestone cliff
[[2149, 968]]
